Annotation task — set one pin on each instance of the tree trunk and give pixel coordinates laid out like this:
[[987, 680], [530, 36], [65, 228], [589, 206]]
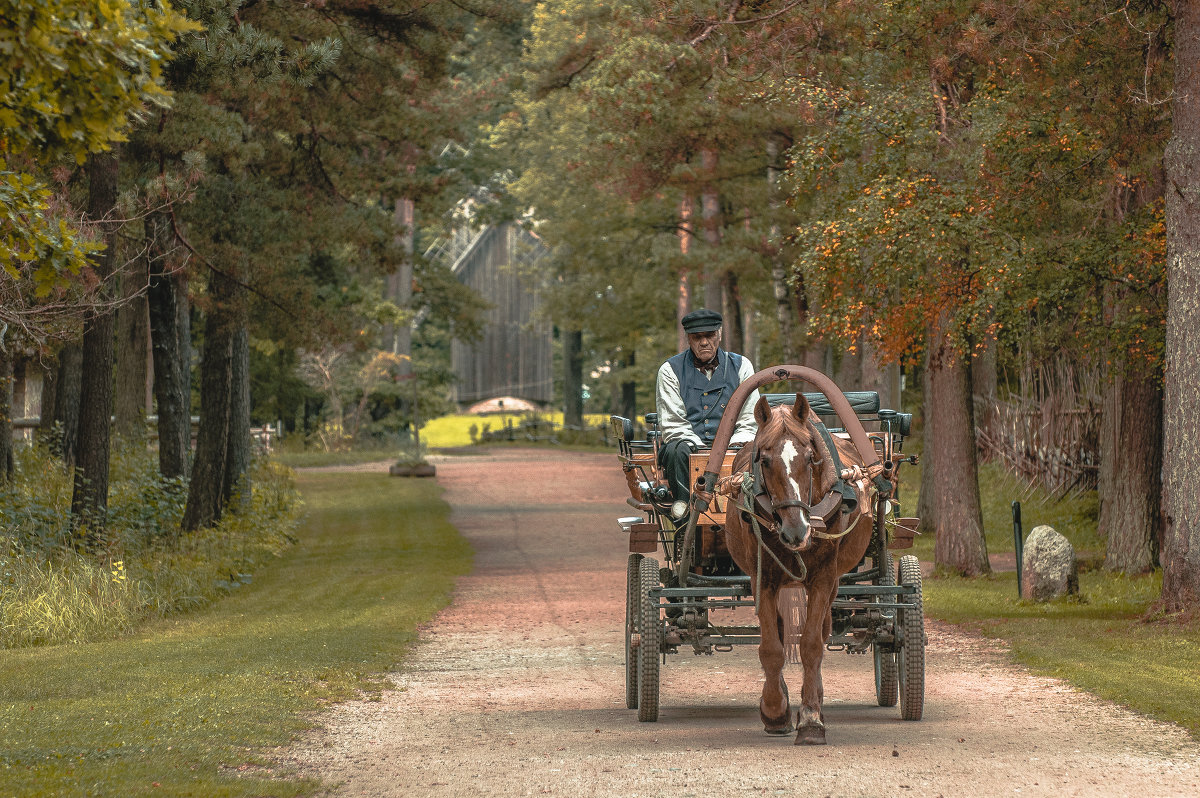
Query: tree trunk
[[89, 500], [573, 378], [398, 337], [236, 486], [734, 336], [683, 305], [170, 333], [629, 392], [710, 213], [810, 348], [1130, 507], [959, 545], [133, 336], [1181, 412], [46, 410], [884, 380], [1110, 435], [212, 440], [849, 375], [66, 402], [784, 309], [984, 382], [6, 408], [750, 342], [926, 508]]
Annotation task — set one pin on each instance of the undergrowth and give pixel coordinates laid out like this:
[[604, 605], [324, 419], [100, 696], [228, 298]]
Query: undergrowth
[[50, 592]]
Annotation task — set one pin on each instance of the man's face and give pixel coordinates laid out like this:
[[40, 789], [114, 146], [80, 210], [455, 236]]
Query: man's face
[[704, 345]]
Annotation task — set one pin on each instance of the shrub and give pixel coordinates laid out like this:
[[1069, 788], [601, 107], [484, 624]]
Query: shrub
[[51, 593]]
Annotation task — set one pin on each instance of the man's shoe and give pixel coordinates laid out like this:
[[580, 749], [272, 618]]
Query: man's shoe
[[679, 510]]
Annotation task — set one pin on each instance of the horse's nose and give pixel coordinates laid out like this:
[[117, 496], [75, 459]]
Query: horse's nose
[[794, 527]]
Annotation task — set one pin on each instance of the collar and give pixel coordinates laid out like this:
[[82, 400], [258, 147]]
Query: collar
[[711, 365]]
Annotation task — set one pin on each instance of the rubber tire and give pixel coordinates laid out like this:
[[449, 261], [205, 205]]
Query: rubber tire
[[887, 689], [911, 656], [633, 608], [650, 649]]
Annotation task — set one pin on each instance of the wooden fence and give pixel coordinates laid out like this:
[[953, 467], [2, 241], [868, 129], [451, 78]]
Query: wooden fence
[[1048, 431]]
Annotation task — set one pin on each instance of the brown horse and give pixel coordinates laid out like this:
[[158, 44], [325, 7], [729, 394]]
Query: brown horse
[[803, 537]]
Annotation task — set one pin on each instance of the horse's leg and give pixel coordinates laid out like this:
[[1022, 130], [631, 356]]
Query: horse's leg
[[774, 707], [810, 725]]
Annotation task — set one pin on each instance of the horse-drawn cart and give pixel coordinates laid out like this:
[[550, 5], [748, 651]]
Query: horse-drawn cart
[[751, 535]]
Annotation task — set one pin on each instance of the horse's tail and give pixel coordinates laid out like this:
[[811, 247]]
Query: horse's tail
[[793, 606]]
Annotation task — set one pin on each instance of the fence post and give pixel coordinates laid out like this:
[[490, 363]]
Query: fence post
[[1018, 542]]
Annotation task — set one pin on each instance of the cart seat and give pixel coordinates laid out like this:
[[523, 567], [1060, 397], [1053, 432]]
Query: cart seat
[[865, 405]]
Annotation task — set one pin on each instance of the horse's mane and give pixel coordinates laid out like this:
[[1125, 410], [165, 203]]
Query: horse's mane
[[783, 420]]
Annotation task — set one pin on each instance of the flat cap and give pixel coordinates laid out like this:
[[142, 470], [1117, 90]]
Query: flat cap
[[702, 320]]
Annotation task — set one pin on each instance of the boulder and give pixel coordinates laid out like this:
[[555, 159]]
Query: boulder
[[1049, 569]]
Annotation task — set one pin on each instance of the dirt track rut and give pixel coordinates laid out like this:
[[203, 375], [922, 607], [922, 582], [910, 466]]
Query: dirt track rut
[[518, 688]]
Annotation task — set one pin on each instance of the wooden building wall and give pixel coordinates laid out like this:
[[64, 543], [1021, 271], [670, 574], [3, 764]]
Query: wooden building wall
[[514, 356]]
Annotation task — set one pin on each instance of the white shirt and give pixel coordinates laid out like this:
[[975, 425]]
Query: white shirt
[[672, 414]]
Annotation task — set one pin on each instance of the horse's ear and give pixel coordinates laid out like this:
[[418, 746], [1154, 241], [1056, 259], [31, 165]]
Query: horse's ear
[[762, 411], [801, 409]]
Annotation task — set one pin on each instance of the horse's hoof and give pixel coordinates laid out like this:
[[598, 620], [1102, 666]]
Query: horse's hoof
[[810, 735], [784, 732]]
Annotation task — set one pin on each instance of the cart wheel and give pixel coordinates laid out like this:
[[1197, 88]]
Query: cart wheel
[[885, 661], [650, 648], [633, 592], [911, 657]]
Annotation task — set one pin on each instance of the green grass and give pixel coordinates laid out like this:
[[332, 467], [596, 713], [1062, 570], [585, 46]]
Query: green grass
[[314, 458], [177, 708], [1101, 643]]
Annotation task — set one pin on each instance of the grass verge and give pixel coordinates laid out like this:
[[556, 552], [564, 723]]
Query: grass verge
[[187, 706], [1100, 642], [317, 459]]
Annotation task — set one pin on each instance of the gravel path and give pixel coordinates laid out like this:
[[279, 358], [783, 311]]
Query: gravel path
[[518, 688]]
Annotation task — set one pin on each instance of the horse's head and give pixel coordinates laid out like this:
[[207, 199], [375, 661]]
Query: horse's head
[[796, 469]]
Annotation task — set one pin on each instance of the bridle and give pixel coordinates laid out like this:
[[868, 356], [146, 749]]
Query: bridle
[[750, 491], [821, 515]]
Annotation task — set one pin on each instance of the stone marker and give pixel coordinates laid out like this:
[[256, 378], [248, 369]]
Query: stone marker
[[1049, 569], [413, 470]]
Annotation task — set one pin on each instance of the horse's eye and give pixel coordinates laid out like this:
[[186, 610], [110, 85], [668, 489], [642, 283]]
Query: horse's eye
[[766, 461]]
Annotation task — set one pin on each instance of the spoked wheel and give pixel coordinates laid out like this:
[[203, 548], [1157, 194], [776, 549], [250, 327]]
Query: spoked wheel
[[649, 649], [911, 656], [633, 607], [886, 688]]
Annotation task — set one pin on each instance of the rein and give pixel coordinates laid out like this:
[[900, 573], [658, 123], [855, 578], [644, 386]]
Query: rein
[[747, 490]]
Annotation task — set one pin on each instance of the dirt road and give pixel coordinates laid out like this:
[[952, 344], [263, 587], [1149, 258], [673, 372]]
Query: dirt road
[[518, 688]]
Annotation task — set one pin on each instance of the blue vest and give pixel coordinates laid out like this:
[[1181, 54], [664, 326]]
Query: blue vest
[[704, 400]]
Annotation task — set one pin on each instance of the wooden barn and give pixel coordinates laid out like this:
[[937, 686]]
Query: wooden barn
[[514, 357]]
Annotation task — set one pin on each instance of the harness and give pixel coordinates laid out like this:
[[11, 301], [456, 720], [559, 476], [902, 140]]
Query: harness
[[847, 495]]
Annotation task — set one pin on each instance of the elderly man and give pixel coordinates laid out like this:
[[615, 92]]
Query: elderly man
[[692, 390]]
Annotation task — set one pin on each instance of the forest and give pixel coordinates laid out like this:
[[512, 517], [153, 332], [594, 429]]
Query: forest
[[227, 209]]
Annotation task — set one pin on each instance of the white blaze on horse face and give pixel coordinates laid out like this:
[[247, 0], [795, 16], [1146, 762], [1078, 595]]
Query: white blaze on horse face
[[788, 456]]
